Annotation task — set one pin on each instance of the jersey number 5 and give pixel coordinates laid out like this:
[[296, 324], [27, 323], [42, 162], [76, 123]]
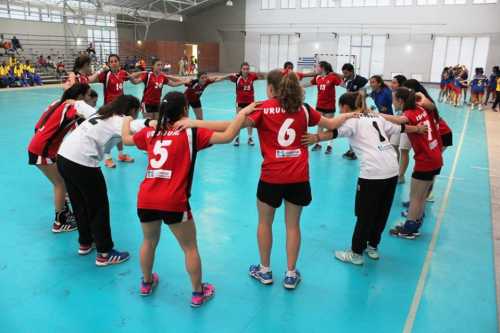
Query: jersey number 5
[[286, 135], [160, 150]]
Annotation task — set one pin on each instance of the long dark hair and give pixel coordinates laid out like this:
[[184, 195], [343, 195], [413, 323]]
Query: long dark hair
[[76, 90], [400, 79], [172, 108], [80, 62], [124, 105], [326, 66], [244, 64], [379, 80], [408, 97], [287, 89], [417, 87]]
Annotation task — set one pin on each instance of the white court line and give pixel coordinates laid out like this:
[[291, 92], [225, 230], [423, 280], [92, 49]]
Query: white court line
[[412, 313]]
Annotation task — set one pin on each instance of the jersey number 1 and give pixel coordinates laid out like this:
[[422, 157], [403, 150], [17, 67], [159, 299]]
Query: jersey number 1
[[160, 150]]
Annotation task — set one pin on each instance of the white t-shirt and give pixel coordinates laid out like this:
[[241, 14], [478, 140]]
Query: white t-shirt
[[369, 138], [84, 110], [87, 143]]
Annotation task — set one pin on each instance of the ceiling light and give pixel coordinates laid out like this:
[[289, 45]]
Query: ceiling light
[[229, 3]]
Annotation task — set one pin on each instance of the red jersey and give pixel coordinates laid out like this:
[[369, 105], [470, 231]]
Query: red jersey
[[326, 90], [427, 147], [299, 74], [195, 90], [113, 84], [171, 160], [285, 158], [245, 93], [153, 85], [49, 136], [443, 127], [37, 125], [82, 78]]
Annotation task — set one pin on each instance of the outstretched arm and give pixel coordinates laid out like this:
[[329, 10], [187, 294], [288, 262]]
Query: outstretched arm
[[234, 127], [310, 139], [127, 137], [394, 119], [336, 122], [135, 78]]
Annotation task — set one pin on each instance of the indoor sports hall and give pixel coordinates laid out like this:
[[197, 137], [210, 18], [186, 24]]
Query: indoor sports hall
[[250, 166]]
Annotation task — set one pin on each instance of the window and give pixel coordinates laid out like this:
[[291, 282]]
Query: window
[[404, 2], [426, 2], [450, 51], [45, 15], [308, 3], [454, 2], [16, 12], [268, 4], [4, 11], [286, 4], [55, 16], [105, 42], [276, 49], [483, 1], [33, 14], [364, 3], [366, 53], [327, 3]]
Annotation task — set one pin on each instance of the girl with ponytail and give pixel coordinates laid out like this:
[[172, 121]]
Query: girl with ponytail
[[369, 137], [164, 193], [326, 81], [428, 158]]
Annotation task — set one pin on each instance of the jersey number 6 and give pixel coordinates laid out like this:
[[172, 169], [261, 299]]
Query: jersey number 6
[[285, 131], [161, 150]]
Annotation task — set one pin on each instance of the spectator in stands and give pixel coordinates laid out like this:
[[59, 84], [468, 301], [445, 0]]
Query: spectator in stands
[[50, 63], [5, 76], [33, 77], [41, 62], [91, 49], [5, 44], [60, 70], [16, 44], [182, 66], [167, 67], [20, 78]]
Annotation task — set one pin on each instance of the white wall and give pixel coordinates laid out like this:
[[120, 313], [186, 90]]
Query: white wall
[[405, 25]]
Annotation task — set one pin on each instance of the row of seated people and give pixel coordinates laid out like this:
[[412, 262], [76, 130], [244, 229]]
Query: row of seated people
[[17, 74]]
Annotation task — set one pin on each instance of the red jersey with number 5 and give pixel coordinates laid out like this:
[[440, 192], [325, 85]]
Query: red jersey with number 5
[[113, 84], [153, 85], [245, 93], [326, 90], [171, 161], [285, 158], [427, 147]]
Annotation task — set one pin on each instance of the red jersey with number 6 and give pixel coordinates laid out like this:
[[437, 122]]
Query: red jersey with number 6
[[326, 90], [113, 84], [153, 85], [245, 93], [285, 158], [427, 147], [171, 161]]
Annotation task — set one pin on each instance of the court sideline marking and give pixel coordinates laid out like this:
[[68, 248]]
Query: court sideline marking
[[417, 296]]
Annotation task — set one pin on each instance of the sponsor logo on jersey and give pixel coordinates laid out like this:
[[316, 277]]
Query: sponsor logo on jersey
[[283, 153]]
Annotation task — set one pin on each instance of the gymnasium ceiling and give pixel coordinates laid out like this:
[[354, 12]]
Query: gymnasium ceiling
[[184, 7]]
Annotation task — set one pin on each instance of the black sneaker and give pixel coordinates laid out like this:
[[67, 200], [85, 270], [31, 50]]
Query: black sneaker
[[250, 141], [236, 142], [316, 147], [349, 155], [64, 222], [328, 150]]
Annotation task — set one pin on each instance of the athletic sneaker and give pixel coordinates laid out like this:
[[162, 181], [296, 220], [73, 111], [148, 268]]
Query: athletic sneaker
[[328, 150], [404, 213], [372, 252], [316, 147], [292, 280], [256, 273], [147, 288], [408, 230], [406, 204], [85, 249], [109, 163], [349, 257], [64, 222], [125, 158], [236, 142], [250, 141], [430, 198], [349, 155], [114, 257], [199, 298]]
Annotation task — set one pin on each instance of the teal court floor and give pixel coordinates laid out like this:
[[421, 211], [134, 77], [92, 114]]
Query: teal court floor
[[442, 282]]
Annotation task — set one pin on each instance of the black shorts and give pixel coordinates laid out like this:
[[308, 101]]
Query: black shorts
[[151, 215], [325, 110], [34, 159], [447, 139], [243, 105], [273, 194], [151, 108], [426, 175], [195, 105]]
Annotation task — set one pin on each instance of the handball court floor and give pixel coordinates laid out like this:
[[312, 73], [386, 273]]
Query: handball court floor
[[442, 282]]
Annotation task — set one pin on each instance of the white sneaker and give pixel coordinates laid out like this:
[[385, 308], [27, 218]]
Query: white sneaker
[[349, 257], [430, 198], [372, 252]]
